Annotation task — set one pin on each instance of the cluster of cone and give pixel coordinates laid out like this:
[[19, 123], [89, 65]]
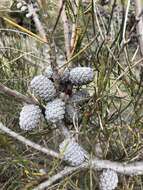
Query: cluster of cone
[[42, 86], [56, 109]]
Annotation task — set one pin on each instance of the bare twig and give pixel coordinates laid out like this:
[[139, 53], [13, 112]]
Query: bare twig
[[135, 168], [60, 175], [74, 33], [125, 21], [138, 6], [73, 36], [74, 25], [37, 21], [58, 17], [66, 29], [17, 95], [25, 141]]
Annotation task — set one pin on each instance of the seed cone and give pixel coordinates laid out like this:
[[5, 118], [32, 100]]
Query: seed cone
[[72, 152], [30, 117], [65, 76], [55, 110], [48, 72], [79, 96], [108, 180], [43, 87], [81, 75]]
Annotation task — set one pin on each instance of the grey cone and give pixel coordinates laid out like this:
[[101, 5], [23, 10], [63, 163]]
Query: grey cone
[[72, 152], [30, 117], [79, 96], [81, 75], [55, 110], [108, 180], [65, 75], [43, 87], [48, 72]]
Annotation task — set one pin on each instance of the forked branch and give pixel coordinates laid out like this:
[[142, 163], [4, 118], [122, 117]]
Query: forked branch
[[17, 94]]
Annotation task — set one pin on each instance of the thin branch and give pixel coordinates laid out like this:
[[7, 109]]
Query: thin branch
[[74, 33], [66, 28], [58, 17], [25, 141], [135, 168], [17, 95], [125, 21], [138, 6], [54, 178], [73, 38], [37, 21]]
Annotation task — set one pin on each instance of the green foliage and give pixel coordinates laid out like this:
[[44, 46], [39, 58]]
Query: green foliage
[[113, 117]]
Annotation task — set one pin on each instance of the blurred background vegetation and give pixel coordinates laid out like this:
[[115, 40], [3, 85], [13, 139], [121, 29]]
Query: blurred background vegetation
[[112, 125]]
